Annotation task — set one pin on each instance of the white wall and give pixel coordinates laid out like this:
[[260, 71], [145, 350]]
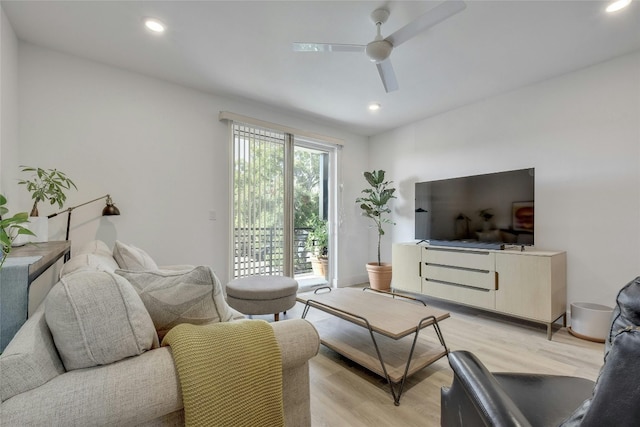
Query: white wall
[[8, 111], [159, 150], [581, 132]]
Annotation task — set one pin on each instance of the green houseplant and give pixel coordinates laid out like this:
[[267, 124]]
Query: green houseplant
[[46, 184], [317, 244], [375, 205], [10, 228]]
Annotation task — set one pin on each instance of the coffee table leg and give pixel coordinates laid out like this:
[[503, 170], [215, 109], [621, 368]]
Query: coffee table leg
[[396, 394], [396, 398], [436, 327]]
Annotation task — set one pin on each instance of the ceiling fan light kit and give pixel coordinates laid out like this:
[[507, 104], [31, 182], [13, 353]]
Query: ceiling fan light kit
[[379, 50]]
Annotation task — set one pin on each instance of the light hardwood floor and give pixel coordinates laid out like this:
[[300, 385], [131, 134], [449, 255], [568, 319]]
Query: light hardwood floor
[[344, 394]]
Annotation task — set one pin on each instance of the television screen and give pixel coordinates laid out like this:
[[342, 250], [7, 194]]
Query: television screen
[[490, 210]]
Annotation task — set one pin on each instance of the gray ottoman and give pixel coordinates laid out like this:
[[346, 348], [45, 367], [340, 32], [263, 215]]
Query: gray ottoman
[[262, 294]]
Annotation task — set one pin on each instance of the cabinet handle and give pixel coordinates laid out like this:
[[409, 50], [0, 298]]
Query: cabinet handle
[[420, 268]]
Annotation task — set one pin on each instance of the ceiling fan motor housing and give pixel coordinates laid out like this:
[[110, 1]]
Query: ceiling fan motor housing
[[379, 16], [379, 49]]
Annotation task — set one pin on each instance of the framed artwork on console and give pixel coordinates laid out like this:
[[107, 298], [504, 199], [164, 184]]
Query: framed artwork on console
[[522, 216]]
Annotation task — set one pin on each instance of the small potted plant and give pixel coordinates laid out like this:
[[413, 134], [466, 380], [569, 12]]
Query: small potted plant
[[375, 205], [10, 228], [45, 184], [317, 244]]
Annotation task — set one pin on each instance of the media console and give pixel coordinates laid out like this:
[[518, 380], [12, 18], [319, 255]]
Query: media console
[[527, 284]]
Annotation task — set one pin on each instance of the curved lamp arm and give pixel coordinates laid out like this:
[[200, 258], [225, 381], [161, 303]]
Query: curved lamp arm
[[109, 209]]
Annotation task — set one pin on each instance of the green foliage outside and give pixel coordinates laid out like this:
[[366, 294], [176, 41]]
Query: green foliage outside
[[318, 239], [259, 190], [306, 181], [258, 186]]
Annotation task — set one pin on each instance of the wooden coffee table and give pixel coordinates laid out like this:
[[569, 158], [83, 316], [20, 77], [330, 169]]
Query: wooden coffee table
[[377, 332]]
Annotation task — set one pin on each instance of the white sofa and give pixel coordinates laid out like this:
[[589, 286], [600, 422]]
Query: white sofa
[[143, 389]]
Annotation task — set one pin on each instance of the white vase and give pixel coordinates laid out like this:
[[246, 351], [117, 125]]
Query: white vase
[[39, 225]]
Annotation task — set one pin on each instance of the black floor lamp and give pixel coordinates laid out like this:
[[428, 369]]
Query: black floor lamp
[[109, 209]]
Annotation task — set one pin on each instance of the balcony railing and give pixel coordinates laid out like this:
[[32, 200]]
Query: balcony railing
[[260, 251]]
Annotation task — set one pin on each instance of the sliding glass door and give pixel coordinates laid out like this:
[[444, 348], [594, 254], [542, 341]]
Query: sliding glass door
[[281, 205], [311, 213]]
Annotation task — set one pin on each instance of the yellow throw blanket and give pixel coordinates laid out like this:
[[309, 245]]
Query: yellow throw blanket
[[230, 373]]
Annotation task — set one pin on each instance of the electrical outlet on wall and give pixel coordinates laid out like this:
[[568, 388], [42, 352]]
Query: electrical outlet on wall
[[212, 215]]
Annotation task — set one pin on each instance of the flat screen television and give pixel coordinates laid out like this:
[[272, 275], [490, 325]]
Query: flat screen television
[[488, 211]]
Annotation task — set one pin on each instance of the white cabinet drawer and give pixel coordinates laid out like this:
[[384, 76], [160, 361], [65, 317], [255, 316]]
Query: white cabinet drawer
[[477, 260], [473, 278], [470, 296]]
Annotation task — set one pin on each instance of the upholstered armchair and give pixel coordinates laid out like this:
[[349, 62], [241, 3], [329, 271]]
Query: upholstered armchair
[[478, 397]]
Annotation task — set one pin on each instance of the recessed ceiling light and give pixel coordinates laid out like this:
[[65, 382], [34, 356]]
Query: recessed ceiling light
[[374, 106], [617, 5], [154, 25]]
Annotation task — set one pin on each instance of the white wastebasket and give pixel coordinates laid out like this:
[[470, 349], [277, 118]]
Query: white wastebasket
[[590, 321]]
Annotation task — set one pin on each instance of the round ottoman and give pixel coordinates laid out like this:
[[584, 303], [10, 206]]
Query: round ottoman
[[262, 294]]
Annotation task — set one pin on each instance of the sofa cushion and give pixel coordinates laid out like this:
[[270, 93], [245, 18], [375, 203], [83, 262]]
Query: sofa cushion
[[129, 257], [30, 359], [97, 318], [173, 297], [89, 262]]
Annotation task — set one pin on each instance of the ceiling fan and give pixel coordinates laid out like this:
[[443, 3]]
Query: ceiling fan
[[380, 48]]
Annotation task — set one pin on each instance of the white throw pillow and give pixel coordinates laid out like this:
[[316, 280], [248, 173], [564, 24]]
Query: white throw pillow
[[90, 262], [97, 318], [129, 257], [173, 297]]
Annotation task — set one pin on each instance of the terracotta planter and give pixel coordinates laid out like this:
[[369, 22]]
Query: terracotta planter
[[320, 267], [379, 276]]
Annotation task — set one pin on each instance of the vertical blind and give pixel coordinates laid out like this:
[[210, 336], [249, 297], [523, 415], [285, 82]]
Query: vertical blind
[[259, 200]]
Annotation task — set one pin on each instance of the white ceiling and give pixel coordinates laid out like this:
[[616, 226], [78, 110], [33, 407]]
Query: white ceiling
[[243, 49]]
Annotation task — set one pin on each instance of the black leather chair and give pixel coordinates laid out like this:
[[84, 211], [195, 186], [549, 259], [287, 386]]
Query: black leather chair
[[479, 398]]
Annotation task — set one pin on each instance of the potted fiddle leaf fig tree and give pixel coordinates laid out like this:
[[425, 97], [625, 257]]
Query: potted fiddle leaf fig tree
[[375, 205], [45, 185], [10, 228]]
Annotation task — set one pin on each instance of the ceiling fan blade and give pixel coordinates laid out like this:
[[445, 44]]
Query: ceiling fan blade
[[427, 20], [388, 76], [327, 47]]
